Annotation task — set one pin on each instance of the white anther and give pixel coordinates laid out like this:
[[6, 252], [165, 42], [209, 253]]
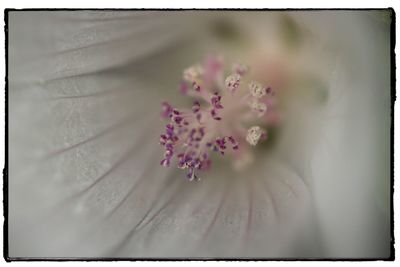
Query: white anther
[[232, 82], [254, 135], [257, 90], [193, 73], [258, 107]]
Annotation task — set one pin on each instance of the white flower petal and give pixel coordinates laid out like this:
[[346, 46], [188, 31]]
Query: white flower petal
[[225, 215], [57, 45], [84, 116], [81, 125]]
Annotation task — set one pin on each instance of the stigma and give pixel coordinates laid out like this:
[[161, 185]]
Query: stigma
[[224, 103]]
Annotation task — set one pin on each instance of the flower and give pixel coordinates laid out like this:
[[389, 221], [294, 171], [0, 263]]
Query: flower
[[84, 94]]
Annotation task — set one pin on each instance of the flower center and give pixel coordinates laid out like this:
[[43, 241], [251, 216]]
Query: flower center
[[226, 112]]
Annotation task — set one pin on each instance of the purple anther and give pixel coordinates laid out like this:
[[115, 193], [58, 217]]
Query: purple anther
[[165, 162], [214, 115], [196, 87], [234, 143], [201, 131], [168, 154], [178, 119], [196, 107], [167, 110], [163, 139], [169, 130], [216, 101]]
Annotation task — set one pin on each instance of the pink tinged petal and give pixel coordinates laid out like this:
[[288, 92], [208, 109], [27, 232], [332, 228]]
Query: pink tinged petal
[[213, 69], [183, 88]]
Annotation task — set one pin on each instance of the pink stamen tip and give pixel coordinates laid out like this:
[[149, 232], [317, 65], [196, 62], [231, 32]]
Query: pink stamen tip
[[183, 88], [240, 69], [264, 136]]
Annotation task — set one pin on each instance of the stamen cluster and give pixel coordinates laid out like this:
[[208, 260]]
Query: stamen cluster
[[218, 119]]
